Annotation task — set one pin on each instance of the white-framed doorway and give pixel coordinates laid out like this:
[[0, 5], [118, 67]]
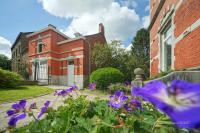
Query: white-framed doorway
[[70, 72], [40, 71]]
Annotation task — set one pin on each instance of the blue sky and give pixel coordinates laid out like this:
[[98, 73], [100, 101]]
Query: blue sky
[[121, 18]]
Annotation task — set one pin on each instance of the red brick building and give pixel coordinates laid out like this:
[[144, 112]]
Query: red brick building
[[57, 59], [174, 35]]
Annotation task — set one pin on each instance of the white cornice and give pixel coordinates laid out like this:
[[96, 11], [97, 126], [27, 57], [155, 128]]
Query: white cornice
[[48, 28]]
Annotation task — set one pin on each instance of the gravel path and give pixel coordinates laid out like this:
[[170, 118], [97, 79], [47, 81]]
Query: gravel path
[[55, 103]]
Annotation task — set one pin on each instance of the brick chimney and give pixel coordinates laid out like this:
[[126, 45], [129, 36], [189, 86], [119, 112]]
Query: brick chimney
[[101, 28], [77, 34]]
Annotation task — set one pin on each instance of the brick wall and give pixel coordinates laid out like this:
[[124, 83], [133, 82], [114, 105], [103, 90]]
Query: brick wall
[[186, 15], [154, 67], [187, 50]]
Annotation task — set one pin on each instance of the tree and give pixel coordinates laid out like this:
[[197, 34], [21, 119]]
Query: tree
[[5, 62], [140, 49], [114, 55]]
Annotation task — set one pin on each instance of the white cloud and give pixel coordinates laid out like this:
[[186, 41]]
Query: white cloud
[[74, 8], [146, 21], [119, 21], [5, 46]]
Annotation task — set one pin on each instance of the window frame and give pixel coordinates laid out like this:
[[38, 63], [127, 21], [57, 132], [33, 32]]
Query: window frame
[[38, 47], [164, 39]]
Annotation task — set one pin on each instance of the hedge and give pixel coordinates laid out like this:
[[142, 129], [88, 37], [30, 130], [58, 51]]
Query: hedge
[[103, 77], [9, 79]]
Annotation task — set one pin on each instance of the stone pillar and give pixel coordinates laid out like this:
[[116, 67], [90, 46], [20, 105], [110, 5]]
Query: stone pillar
[[138, 81]]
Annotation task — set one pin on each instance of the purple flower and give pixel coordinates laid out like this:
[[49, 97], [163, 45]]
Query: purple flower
[[127, 83], [66, 91], [92, 86], [73, 88], [180, 101], [43, 109], [133, 105], [61, 93], [17, 112], [33, 106], [118, 99], [13, 120]]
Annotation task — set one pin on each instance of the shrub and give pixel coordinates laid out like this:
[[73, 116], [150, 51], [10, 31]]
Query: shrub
[[9, 79], [103, 77], [119, 86]]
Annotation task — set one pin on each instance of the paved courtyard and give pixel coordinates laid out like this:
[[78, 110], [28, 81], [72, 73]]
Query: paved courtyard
[[55, 103]]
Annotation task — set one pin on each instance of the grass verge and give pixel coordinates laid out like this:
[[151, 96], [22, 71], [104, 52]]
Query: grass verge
[[22, 92]]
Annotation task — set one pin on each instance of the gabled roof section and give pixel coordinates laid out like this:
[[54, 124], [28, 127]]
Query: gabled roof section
[[19, 36], [50, 27], [96, 38], [92, 39]]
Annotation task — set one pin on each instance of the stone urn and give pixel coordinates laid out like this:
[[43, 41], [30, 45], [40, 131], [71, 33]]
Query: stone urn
[[138, 81]]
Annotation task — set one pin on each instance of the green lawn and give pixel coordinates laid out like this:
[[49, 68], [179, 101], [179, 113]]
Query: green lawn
[[22, 92]]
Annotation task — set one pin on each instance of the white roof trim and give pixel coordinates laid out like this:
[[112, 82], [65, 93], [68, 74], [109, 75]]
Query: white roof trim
[[48, 28]]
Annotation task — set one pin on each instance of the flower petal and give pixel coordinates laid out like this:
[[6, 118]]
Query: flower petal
[[13, 120], [185, 119], [42, 111], [119, 93], [22, 103], [33, 106], [10, 112], [46, 104], [16, 106]]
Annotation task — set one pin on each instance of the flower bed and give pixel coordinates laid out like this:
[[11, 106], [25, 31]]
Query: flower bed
[[178, 102]]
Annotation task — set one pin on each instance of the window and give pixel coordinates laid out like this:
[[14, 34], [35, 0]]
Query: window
[[71, 62], [40, 47], [167, 47], [19, 49]]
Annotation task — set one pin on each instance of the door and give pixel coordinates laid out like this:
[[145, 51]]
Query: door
[[43, 71], [70, 73], [33, 71]]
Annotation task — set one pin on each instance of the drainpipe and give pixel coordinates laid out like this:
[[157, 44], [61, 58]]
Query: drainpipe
[[89, 59]]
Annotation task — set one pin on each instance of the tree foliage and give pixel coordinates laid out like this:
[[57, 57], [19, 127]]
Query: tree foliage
[[114, 55], [141, 48], [5, 63]]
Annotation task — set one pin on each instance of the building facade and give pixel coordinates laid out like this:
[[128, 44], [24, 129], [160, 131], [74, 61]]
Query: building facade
[[19, 51], [174, 35], [55, 58]]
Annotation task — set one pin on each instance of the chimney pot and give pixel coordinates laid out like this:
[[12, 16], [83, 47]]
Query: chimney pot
[[101, 28], [50, 25], [77, 34]]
